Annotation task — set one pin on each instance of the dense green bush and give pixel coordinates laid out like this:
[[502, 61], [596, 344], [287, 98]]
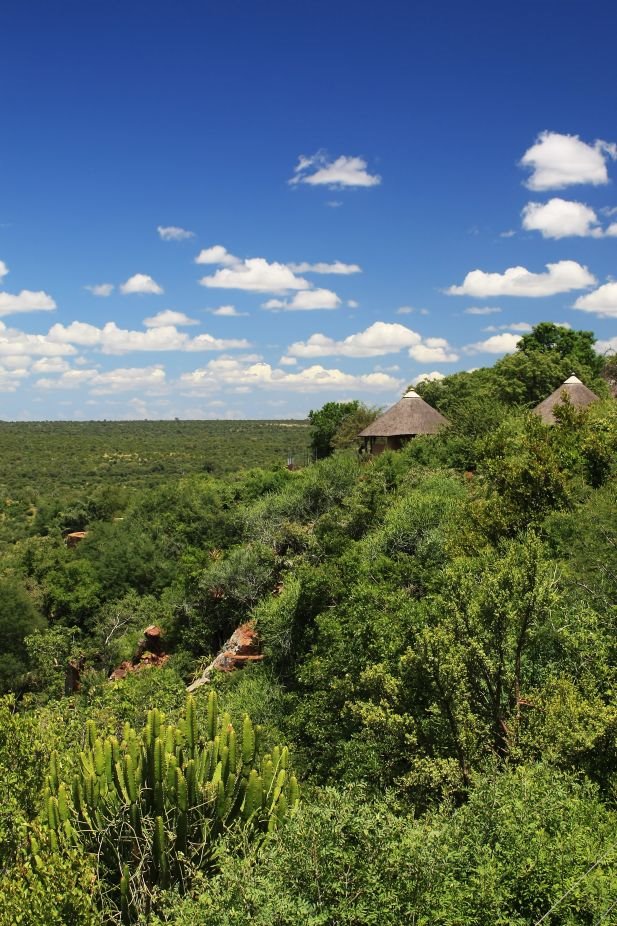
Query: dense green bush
[[529, 844]]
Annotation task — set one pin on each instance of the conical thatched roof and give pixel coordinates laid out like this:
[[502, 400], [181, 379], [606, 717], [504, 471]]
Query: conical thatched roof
[[410, 416], [577, 392]]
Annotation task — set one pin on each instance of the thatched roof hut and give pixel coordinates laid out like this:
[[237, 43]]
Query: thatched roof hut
[[410, 417], [576, 391]]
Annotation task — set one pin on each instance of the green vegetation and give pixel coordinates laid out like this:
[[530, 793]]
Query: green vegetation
[[439, 633], [87, 470]]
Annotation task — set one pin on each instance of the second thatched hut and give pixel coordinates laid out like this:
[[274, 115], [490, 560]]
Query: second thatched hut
[[572, 390]]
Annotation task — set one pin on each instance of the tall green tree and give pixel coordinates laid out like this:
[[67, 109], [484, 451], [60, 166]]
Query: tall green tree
[[325, 422], [547, 337]]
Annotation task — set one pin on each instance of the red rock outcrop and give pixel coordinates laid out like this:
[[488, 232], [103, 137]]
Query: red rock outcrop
[[241, 648]]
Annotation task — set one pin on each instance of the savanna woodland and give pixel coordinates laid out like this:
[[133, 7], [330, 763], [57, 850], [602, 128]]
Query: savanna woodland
[[426, 730]]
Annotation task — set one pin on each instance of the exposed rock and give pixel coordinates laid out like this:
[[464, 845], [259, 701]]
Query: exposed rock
[[148, 654], [75, 537], [241, 648]]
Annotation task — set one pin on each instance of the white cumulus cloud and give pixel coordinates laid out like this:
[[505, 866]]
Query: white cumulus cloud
[[336, 266], [228, 311], [496, 344], [11, 377], [428, 377], [561, 277], [433, 350], [124, 379], [101, 289], [141, 283], [256, 275], [50, 365], [561, 218], [14, 343], [515, 326], [378, 339], [227, 371], [169, 317], [558, 161], [306, 301], [217, 254], [3, 269], [320, 170], [173, 233], [110, 339], [601, 302], [25, 301]]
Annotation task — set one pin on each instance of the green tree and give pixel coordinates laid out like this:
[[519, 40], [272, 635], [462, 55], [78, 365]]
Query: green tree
[[578, 346], [18, 619], [488, 631], [325, 422], [346, 435]]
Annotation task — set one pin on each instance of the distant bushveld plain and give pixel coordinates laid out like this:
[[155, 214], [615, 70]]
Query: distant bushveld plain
[[43, 458]]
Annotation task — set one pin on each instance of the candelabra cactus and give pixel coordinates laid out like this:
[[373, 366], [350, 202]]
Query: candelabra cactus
[[152, 805]]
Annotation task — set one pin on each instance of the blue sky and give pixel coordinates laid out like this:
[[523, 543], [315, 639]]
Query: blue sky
[[251, 212]]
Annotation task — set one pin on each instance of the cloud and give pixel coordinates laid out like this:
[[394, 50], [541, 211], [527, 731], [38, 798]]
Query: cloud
[[428, 377], [481, 310], [228, 311], [217, 254], [169, 317], [336, 266], [141, 283], [558, 161], [16, 362], [25, 301], [561, 218], [173, 233], [11, 376], [601, 302], [433, 350], [410, 310], [352, 304], [318, 170], [113, 340], [226, 371], [256, 275], [103, 383], [16, 343], [510, 233], [561, 277], [378, 339], [607, 347], [101, 289], [288, 361], [3, 269], [307, 300], [515, 326], [497, 344], [50, 365], [334, 203]]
